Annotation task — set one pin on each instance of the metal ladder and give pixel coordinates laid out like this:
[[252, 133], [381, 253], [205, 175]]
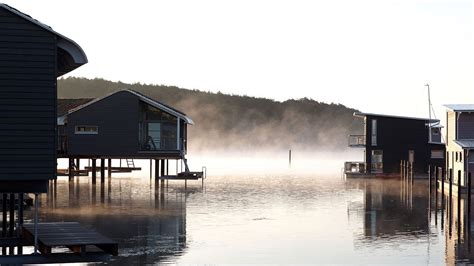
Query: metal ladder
[[130, 163]]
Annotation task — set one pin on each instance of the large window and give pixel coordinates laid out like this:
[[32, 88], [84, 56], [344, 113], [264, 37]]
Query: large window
[[158, 129]]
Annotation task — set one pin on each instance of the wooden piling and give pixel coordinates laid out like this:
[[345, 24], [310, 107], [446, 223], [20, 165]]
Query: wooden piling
[[71, 169], [443, 177], [162, 171], [429, 180], [157, 169], [401, 169], [94, 171], [151, 169], [289, 158], [102, 170], [109, 164]]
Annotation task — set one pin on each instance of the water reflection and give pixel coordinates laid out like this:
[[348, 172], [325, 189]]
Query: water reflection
[[148, 221], [392, 209], [269, 219]]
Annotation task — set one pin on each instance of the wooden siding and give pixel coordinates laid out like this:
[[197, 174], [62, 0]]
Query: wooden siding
[[27, 100], [395, 137], [466, 126], [117, 119]]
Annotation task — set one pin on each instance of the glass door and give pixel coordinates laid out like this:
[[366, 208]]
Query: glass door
[[154, 136], [377, 161]]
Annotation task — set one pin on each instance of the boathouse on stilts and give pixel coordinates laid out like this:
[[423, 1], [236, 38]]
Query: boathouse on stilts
[[124, 125], [33, 56]]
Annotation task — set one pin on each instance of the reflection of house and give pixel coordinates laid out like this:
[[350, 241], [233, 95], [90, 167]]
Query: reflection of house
[[124, 124], [389, 139], [460, 140], [390, 209]]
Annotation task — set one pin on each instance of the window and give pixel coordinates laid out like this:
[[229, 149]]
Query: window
[[437, 154], [374, 132], [460, 156], [87, 130], [456, 156]]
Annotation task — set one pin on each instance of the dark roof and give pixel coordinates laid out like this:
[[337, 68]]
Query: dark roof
[[75, 104], [360, 114], [70, 55], [465, 143], [460, 107]]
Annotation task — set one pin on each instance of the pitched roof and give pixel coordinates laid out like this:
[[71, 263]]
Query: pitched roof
[[150, 101], [460, 107], [465, 143], [64, 105], [66, 63], [360, 114]]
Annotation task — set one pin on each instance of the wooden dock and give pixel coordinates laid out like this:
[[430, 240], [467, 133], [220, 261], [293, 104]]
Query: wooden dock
[[69, 234], [115, 169]]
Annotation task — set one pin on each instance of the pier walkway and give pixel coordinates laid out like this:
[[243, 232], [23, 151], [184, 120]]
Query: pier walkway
[[69, 234]]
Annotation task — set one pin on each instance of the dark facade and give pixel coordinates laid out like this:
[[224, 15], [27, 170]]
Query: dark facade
[[389, 139], [32, 56], [124, 124]]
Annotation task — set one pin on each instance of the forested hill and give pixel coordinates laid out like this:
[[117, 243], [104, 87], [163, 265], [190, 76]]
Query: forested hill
[[239, 122]]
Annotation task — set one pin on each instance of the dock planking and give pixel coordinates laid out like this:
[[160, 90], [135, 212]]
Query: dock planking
[[69, 234]]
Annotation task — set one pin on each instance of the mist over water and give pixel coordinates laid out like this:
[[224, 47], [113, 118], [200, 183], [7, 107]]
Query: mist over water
[[254, 208]]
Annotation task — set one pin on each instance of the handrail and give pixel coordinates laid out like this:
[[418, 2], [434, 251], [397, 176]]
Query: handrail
[[357, 140]]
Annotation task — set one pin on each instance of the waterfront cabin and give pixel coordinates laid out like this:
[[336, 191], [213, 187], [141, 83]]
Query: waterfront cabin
[[459, 141], [123, 124], [33, 55], [388, 139]]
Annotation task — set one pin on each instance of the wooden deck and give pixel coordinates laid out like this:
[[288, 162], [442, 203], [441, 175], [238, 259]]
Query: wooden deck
[[115, 169], [71, 235]]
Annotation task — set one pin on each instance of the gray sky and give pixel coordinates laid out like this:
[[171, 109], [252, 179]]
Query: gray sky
[[375, 56]]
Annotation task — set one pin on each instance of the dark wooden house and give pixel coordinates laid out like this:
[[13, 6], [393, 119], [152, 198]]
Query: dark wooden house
[[124, 124], [459, 141], [32, 56], [389, 139]]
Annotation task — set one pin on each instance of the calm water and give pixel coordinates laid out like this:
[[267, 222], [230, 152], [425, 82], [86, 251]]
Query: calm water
[[265, 219]]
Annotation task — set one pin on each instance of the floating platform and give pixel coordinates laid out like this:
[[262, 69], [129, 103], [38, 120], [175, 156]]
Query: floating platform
[[69, 234], [184, 176]]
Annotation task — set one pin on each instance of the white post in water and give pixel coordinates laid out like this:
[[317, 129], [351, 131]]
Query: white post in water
[[36, 223]]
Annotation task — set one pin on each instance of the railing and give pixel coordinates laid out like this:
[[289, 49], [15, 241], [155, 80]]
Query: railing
[[354, 167], [356, 140]]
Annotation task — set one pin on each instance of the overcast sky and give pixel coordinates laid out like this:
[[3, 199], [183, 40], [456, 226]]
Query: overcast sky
[[375, 56]]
